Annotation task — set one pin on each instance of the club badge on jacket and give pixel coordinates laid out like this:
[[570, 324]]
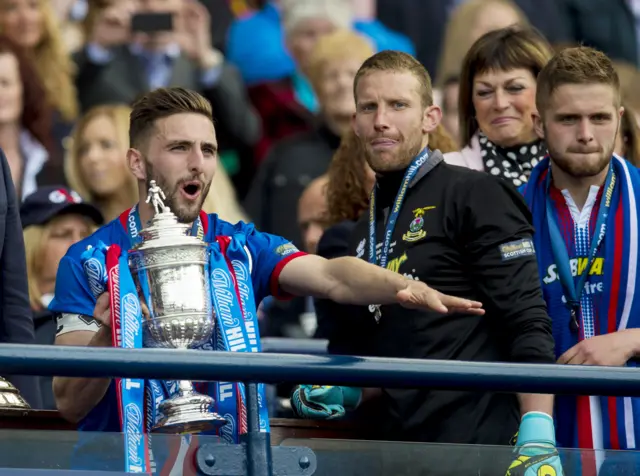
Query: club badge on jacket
[[416, 232]]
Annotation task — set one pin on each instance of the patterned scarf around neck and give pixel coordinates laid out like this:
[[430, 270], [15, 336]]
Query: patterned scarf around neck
[[513, 164], [593, 421]]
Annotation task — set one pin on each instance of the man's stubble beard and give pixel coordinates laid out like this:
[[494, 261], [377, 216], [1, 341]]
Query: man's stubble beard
[[581, 169], [183, 214], [401, 159]]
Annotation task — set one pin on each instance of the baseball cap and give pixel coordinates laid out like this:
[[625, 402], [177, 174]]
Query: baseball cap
[[49, 202]]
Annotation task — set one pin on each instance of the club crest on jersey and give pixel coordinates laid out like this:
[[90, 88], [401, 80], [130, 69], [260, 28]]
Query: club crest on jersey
[[416, 232]]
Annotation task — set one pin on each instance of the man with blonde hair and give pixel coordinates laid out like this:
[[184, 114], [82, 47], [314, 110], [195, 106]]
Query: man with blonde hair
[[463, 232], [173, 143], [584, 200]]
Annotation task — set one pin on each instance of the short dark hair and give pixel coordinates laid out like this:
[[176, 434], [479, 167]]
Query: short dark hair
[[161, 103], [398, 61], [499, 50], [578, 65]]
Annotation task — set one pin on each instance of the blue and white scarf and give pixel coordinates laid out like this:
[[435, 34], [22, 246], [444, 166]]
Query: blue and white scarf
[[236, 331], [588, 421]]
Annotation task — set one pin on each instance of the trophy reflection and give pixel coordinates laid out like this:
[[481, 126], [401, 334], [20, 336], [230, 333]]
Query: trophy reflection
[[171, 271]]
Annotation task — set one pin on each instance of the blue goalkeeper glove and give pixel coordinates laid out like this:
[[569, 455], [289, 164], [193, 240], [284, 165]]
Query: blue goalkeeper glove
[[536, 448], [320, 402]]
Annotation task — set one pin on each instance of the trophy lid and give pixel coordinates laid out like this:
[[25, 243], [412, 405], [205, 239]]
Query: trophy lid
[[164, 229]]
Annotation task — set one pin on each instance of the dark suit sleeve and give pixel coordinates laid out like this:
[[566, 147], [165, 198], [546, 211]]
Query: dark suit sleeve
[[17, 321], [495, 232], [236, 119]]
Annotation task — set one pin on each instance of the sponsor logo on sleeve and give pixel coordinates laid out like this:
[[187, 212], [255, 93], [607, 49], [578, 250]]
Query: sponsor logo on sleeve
[[286, 249], [517, 249]]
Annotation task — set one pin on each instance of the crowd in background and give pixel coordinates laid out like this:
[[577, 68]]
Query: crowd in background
[[279, 75]]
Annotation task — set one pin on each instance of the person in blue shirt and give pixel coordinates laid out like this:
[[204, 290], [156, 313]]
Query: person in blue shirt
[[173, 141], [257, 44]]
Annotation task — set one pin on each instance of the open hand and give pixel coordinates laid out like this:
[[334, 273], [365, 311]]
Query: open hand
[[418, 295], [612, 350]]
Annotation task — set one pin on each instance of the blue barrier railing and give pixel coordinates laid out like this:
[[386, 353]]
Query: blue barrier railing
[[286, 345], [330, 369], [254, 456]]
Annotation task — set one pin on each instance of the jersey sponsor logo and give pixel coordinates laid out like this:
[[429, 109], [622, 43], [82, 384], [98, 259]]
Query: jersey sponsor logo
[[133, 228], [578, 267], [517, 249], [395, 263], [416, 232], [286, 249], [360, 248]]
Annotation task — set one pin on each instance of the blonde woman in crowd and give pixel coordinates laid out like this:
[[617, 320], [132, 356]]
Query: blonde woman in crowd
[[496, 103], [96, 167], [33, 25], [53, 219]]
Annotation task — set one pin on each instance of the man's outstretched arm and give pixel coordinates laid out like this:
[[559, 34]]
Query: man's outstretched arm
[[351, 280]]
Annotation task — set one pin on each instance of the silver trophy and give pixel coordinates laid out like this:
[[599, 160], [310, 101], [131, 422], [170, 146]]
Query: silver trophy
[[171, 271]]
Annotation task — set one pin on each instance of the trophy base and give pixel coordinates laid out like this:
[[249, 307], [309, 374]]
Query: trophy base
[[188, 414]]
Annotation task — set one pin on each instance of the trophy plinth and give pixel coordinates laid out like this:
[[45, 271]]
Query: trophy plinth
[[187, 413], [10, 397], [171, 271]]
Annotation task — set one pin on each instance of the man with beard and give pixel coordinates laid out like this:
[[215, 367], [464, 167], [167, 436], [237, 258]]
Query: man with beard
[[584, 204], [465, 233], [173, 142]]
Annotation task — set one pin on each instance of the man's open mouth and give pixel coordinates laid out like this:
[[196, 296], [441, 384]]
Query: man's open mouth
[[191, 189]]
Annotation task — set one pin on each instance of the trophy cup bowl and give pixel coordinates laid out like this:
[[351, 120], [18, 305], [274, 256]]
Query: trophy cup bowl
[[171, 272]]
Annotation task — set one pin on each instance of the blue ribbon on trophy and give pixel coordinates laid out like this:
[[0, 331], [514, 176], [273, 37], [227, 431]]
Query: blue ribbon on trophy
[[226, 320]]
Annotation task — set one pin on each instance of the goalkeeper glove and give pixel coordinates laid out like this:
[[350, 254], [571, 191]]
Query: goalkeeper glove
[[322, 402], [536, 448]]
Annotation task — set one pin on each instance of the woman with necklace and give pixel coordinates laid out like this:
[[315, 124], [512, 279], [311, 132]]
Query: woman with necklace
[[496, 103]]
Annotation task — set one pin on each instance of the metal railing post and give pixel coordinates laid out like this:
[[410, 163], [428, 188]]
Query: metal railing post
[[259, 462]]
